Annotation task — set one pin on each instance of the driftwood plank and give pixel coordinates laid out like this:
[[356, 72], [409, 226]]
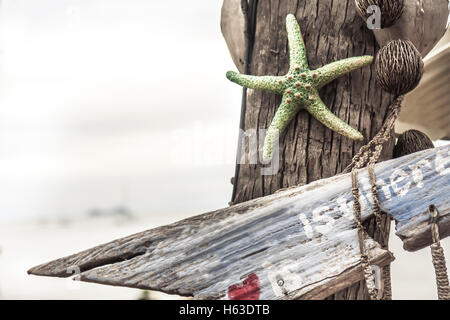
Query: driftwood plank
[[297, 243]]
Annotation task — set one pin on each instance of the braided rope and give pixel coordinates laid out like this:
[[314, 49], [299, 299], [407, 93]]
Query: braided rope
[[361, 235], [399, 68], [374, 147], [368, 155], [387, 283], [438, 258]]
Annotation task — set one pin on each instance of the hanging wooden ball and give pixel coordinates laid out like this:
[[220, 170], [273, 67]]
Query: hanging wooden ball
[[391, 10], [399, 67], [412, 141]]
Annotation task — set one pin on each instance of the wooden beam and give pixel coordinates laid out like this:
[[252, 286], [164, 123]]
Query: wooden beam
[[297, 243]]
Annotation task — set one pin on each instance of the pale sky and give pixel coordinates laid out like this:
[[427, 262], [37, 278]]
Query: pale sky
[[104, 101]]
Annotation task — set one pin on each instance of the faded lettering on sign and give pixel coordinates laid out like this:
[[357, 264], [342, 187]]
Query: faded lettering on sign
[[399, 183]]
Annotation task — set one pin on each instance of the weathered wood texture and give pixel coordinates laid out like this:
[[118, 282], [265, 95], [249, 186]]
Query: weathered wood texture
[[332, 31], [299, 243], [309, 151]]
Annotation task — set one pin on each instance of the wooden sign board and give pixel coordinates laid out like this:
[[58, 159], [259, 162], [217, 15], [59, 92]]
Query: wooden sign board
[[299, 243]]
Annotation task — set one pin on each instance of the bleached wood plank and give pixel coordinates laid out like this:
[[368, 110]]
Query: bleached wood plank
[[296, 243]]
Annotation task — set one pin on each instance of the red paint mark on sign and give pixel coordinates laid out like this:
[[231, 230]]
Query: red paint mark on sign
[[248, 290]]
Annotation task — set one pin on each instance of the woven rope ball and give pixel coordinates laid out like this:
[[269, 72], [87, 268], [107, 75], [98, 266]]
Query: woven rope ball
[[399, 67], [391, 10], [412, 141]]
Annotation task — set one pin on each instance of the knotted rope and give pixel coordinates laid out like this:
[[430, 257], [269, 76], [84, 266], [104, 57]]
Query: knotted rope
[[438, 257], [374, 147], [368, 155], [399, 68], [370, 283]]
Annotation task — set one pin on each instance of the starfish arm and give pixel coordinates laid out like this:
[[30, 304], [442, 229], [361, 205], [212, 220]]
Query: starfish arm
[[268, 83], [320, 111], [297, 50], [284, 115], [334, 70]]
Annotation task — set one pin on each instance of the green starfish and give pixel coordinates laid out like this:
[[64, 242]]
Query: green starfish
[[300, 88]]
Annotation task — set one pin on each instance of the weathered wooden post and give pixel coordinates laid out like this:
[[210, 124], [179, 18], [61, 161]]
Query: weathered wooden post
[[332, 31]]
